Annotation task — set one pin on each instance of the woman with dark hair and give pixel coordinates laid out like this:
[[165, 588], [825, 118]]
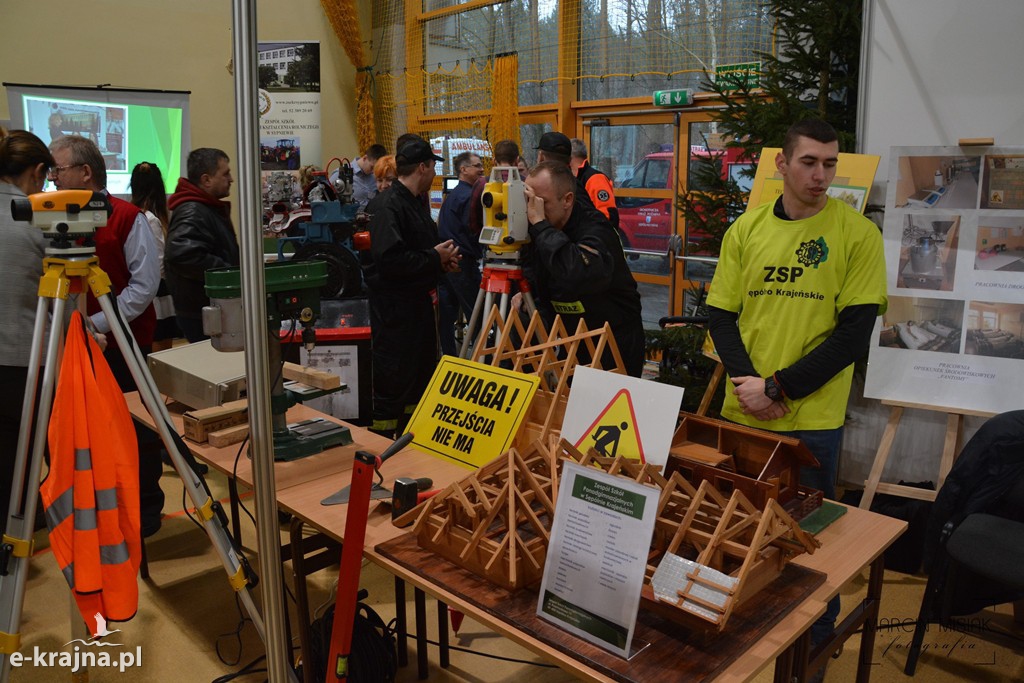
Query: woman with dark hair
[[149, 194], [24, 164]]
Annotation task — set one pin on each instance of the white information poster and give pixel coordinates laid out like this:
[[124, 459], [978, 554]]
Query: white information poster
[[597, 555], [953, 334], [620, 415], [289, 108]]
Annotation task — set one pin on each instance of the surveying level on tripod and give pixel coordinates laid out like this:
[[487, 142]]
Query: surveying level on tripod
[[64, 216], [506, 228]]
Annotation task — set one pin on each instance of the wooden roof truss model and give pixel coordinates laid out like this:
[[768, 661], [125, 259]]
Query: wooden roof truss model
[[709, 553], [552, 355]]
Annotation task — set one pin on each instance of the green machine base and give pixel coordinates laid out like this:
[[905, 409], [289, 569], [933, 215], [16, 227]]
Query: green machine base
[[308, 438]]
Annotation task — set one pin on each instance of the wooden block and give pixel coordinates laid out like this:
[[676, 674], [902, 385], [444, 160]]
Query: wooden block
[[226, 437], [311, 376], [970, 142], [199, 423]]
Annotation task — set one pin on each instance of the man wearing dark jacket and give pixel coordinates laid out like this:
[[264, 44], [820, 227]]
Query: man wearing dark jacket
[[405, 264], [199, 237], [576, 265]]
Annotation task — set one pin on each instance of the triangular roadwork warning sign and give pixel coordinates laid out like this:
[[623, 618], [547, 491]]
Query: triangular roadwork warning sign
[[615, 432]]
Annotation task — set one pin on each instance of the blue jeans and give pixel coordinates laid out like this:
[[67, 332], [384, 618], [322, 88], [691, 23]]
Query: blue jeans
[[825, 445]]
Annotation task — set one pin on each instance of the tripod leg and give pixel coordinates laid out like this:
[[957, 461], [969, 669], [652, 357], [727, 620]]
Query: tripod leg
[[17, 541], [474, 320], [209, 512]]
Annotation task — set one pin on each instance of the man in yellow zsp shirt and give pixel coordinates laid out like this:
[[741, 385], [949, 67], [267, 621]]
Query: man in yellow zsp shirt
[[793, 303]]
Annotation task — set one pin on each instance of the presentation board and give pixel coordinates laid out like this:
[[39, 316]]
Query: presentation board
[[128, 126], [953, 334]]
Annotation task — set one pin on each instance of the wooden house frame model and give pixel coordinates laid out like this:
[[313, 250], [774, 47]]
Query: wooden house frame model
[[497, 522], [763, 465]]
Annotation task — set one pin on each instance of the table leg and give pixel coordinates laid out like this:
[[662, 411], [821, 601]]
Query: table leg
[[301, 598], [420, 599], [872, 602], [442, 633], [401, 625]]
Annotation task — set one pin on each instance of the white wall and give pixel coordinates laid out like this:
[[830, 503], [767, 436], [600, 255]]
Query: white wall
[[172, 45]]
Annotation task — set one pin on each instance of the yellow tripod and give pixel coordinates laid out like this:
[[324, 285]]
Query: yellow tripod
[[68, 271]]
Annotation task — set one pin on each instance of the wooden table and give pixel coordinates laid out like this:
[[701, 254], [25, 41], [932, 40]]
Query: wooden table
[[854, 542], [849, 545]]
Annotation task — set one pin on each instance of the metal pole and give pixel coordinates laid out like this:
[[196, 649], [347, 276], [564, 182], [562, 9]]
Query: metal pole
[[256, 362]]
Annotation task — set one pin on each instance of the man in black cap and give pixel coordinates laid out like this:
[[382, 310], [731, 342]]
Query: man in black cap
[[556, 147], [405, 264]]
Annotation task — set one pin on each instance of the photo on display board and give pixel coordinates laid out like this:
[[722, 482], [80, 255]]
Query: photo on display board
[[919, 324], [995, 329], [1003, 182], [937, 182], [928, 252], [999, 246]]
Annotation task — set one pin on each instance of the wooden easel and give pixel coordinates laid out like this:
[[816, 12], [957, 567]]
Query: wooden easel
[[950, 449]]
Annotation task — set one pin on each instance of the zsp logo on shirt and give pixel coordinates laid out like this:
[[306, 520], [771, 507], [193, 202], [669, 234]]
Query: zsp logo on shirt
[[782, 273]]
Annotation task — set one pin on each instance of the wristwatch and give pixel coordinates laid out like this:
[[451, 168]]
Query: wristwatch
[[772, 389]]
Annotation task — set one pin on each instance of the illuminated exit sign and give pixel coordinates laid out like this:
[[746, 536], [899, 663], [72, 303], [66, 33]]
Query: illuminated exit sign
[[673, 98]]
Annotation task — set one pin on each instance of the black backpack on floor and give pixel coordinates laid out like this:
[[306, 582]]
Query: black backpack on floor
[[374, 656]]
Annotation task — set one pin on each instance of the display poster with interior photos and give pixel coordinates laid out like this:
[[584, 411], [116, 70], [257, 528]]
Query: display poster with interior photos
[[953, 334]]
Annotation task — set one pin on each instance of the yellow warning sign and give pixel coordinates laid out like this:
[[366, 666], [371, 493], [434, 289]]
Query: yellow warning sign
[[470, 412], [614, 432]]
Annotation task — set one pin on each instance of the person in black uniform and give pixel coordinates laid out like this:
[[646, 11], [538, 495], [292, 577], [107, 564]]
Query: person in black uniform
[[403, 269], [576, 265]]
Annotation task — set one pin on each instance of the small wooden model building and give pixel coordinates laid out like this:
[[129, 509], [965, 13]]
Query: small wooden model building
[[763, 465], [709, 552], [497, 522], [552, 355]]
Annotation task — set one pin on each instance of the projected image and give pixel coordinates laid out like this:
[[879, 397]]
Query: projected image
[[279, 154], [128, 126], [104, 125]]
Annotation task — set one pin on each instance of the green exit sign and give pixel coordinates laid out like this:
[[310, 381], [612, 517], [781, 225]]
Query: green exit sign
[[673, 98], [734, 76]]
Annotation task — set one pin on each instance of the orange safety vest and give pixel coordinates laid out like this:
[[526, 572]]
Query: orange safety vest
[[91, 493]]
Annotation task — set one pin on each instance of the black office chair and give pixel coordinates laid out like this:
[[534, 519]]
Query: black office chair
[[974, 548]]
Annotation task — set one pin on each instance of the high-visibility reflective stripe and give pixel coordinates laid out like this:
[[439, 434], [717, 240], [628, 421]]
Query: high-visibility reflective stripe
[[85, 519], [83, 459], [69, 574], [60, 509], [114, 554], [384, 425], [106, 499]]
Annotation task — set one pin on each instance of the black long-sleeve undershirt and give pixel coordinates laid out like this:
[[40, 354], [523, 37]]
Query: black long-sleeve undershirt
[[848, 343]]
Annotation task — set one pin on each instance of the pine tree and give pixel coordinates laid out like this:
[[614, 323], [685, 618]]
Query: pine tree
[[813, 75]]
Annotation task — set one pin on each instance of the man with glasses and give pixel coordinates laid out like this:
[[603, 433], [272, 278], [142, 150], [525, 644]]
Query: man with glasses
[[403, 269], [128, 253], [459, 289]]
